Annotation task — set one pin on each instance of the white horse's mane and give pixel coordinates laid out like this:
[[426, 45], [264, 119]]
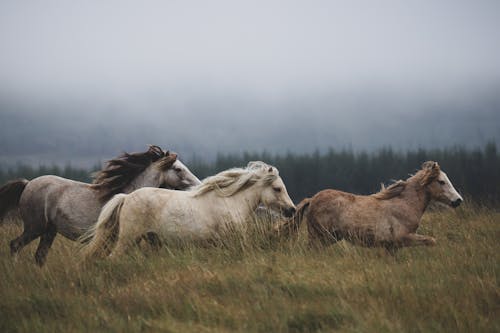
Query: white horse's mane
[[229, 182]]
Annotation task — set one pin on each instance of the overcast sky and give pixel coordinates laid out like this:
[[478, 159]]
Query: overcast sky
[[208, 76]]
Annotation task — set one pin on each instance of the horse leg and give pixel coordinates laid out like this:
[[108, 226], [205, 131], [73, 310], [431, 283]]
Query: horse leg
[[130, 233], [416, 240], [26, 237], [46, 241], [391, 247], [153, 240], [119, 250], [320, 236], [122, 246]]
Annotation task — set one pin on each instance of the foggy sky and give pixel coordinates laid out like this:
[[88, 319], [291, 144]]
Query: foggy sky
[[93, 78]]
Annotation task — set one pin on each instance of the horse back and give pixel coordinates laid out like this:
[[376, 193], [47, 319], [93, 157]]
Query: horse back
[[331, 200]]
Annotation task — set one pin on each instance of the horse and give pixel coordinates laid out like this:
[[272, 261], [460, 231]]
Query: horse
[[388, 218], [225, 200], [49, 204]]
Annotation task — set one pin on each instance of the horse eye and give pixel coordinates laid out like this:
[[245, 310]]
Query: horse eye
[[441, 182], [277, 189]]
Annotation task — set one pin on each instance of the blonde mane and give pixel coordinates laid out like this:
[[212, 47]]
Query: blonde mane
[[391, 191], [430, 171], [229, 182]]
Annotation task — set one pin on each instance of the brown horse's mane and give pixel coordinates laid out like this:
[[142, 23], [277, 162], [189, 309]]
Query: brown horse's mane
[[119, 172], [430, 171], [391, 191]]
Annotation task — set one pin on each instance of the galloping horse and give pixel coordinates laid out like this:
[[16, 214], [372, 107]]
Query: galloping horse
[[226, 199], [388, 218], [51, 204]]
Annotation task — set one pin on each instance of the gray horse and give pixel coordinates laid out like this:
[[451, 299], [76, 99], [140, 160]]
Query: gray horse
[[49, 204]]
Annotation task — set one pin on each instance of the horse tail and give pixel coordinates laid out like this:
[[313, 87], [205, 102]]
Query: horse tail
[[10, 194], [102, 236], [292, 225]]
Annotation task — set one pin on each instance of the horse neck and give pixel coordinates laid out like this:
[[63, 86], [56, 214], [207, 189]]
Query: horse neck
[[416, 196], [150, 177]]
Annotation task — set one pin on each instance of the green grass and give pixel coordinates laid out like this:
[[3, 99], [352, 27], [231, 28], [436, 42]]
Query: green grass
[[256, 283]]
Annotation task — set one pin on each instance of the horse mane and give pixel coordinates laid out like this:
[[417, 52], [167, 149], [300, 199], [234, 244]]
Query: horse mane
[[391, 191], [429, 172], [229, 182], [122, 170]]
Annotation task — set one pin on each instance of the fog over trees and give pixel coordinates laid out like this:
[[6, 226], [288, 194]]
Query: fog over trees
[[81, 81]]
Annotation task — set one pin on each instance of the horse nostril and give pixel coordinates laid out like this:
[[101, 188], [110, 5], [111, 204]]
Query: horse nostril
[[456, 203]]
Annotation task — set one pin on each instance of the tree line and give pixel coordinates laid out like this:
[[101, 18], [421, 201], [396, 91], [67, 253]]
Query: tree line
[[474, 172]]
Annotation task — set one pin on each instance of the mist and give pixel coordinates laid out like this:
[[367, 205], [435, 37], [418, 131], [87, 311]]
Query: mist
[[84, 80]]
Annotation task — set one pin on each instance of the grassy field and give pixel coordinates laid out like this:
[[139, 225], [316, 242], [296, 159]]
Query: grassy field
[[256, 283]]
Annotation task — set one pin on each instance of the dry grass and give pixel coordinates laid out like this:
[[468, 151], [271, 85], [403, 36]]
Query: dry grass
[[255, 283]]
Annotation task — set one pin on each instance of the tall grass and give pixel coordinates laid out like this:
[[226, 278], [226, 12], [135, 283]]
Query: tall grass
[[252, 281]]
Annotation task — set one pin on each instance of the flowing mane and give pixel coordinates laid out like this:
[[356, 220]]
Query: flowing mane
[[229, 182], [430, 171], [391, 191], [119, 172]]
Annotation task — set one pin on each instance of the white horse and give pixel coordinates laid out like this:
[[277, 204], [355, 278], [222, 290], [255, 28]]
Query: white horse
[[226, 199]]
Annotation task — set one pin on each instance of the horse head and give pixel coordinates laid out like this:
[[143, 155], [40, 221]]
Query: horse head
[[274, 194], [438, 186], [174, 174]]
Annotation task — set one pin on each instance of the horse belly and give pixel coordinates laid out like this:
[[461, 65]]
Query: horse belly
[[355, 222], [373, 228], [72, 224], [73, 211]]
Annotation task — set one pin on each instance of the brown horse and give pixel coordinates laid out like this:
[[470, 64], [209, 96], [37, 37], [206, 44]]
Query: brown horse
[[388, 218], [49, 204]]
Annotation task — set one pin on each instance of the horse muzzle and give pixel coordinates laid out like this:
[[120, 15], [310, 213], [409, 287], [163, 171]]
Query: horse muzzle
[[288, 212], [456, 203]]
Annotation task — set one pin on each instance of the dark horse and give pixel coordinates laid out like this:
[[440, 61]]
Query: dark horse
[[49, 204]]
